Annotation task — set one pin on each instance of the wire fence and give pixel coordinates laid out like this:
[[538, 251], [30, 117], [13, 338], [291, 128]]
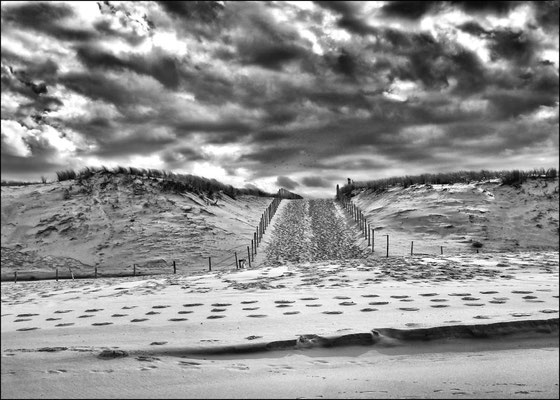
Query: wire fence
[[236, 257], [385, 244]]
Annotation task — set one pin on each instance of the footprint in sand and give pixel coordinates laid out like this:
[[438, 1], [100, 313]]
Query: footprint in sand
[[368, 309], [177, 319], [283, 305], [459, 294], [218, 310], [256, 315], [548, 311], [86, 316], [153, 313], [27, 329], [474, 304], [313, 305], [521, 291], [147, 368], [26, 315], [400, 297], [308, 298], [439, 300], [439, 305], [250, 308], [378, 303], [524, 297], [291, 312], [94, 310], [406, 300], [62, 311], [221, 304], [341, 297], [53, 319], [128, 307], [139, 319], [119, 315], [240, 367], [347, 303], [185, 312], [253, 337], [370, 295], [520, 314], [56, 371], [429, 294], [161, 306], [409, 308], [65, 324], [22, 319], [497, 301], [332, 312], [481, 317], [249, 301], [147, 358], [284, 302], [101, 323], [489, 292], [191, 364], [157, 343], [193, 305], [215, 316]]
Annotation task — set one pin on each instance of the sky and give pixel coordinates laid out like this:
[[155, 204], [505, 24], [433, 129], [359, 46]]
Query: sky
[[299, 95]]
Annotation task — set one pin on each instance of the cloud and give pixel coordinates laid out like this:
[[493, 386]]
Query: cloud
[[286, 183], [315, 181], [293, 94]]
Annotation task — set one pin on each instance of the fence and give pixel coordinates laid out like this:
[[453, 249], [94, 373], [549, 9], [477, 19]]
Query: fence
[[384, 242], [240, 257]]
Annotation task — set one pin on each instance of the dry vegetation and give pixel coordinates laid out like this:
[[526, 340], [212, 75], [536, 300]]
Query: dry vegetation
[[512, 178], [169, 181]]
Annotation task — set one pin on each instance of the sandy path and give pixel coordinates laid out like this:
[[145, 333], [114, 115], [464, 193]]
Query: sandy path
[[312, 230]]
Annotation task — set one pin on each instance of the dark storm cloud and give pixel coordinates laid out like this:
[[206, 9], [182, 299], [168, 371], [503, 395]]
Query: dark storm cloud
[[407, 9], [22, 165], [206, 11], [161, 66], [286, 183], [280, 82], [315, 181], [516, 46], [497, 7], [46, 17], [547, 14]]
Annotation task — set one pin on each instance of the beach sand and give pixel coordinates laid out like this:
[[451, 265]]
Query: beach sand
[[317, 316], [53, 333]]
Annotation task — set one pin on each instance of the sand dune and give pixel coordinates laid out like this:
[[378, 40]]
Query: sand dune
[[317, 315]]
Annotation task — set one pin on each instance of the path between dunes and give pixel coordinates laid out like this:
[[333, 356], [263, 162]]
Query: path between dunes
[[310, 230]]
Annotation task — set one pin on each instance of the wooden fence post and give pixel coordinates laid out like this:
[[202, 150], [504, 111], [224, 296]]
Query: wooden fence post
[[249, 256], [94, 274], [441, 247], [15, 276], [174, 267], [134, 270], [412, 247], [387, 245], [56, 275], [368, 234], [209, 263], [252, 251], [236, 264]]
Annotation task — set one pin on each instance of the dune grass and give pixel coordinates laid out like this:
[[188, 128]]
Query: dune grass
[[169, 181], [507, 177]]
